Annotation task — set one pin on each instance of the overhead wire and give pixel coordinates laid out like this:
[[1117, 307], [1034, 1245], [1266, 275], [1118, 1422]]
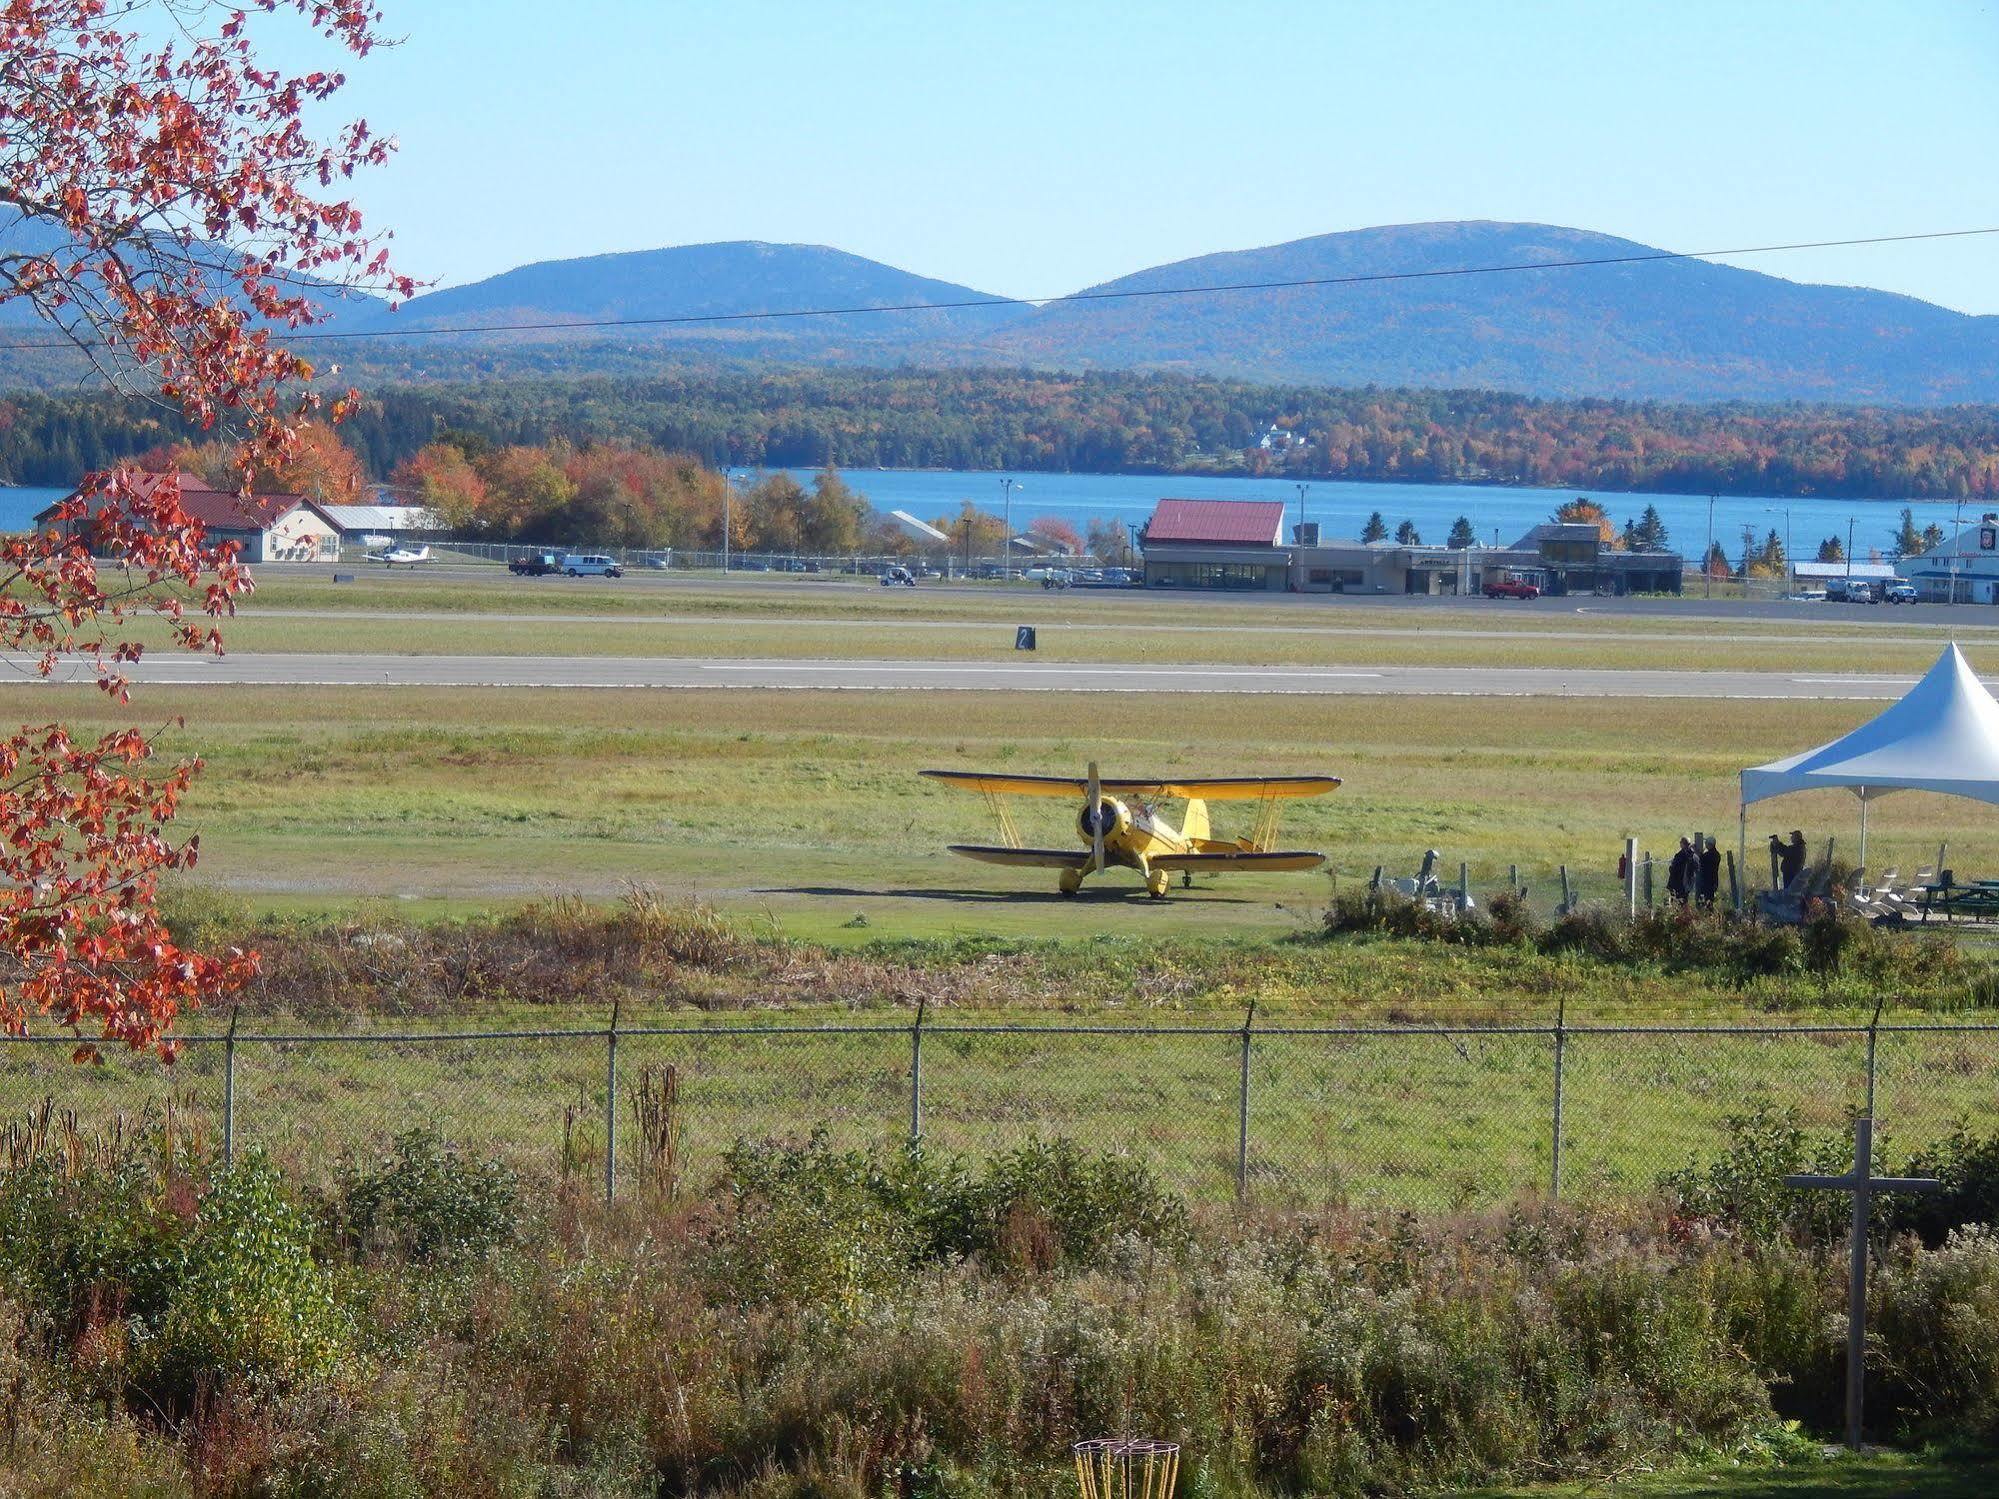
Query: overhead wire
[[1105, 294]]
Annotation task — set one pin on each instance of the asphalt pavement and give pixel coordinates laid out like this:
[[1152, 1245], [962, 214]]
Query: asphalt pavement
[[554, 672]]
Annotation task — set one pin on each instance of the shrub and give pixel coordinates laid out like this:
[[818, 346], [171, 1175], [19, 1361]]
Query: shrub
[[1050, 1201], [248, 1305], [427, 1201], [1741, 1188]]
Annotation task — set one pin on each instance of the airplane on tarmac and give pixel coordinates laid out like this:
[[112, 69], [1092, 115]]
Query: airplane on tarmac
[[1121, 825], [401, 556]]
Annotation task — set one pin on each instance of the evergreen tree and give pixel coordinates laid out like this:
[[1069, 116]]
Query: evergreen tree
[[1717, 562], [1407, 535], [1462, 535], [1832, 549], [1649, 535], [1908, 540], [1932, 537], [1376, 528]]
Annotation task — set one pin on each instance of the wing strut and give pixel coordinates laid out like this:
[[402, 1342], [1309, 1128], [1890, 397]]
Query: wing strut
[[1009, 834], [1264, 837]]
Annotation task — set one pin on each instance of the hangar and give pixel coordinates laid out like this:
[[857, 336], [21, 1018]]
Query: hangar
[[265, 527]]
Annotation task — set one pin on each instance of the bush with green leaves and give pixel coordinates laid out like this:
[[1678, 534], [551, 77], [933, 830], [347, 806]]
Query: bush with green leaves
[[427, 1201], [164, 1277], [805, 1222]]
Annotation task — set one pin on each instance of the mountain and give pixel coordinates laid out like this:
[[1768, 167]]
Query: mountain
[[1675, 329], [705, 280]]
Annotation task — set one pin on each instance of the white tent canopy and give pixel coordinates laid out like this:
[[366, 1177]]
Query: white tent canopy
[[1942, 736]]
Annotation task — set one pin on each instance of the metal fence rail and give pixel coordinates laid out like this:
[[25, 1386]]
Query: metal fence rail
[[1445, 1116]]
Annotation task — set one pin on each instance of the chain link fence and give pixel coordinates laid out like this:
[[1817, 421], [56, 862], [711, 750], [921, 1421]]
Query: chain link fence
[[1445, 1117]]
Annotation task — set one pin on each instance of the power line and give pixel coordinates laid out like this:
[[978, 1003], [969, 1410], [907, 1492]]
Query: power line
[[1214, 289]]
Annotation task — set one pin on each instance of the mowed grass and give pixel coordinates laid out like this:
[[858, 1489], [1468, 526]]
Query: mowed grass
[[806, 806], [838, 619]]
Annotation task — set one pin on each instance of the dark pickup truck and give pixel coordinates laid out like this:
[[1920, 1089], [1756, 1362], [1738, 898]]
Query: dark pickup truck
[[538, 566]]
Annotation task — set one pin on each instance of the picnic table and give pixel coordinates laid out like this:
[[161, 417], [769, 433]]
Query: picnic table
[[1978, 900]]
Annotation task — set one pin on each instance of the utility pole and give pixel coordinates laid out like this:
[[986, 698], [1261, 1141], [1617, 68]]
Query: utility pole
[[1849, 557], [1301, 511], [728, 516], [1706, 557], [1007, 487], [1956, 549]]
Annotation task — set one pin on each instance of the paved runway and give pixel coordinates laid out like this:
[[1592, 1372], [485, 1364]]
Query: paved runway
[[1011, 676]]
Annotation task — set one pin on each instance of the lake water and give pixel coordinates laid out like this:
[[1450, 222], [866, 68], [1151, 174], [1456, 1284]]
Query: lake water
[[1341, 509]]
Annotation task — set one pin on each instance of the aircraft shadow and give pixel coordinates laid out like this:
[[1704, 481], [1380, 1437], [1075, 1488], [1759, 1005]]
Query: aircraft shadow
[[1085, 896]]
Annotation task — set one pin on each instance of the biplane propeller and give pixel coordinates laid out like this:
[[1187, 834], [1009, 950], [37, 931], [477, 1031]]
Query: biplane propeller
[[1122, 825]]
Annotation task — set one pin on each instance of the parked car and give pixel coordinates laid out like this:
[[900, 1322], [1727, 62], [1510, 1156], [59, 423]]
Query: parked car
[[540, 565], [1900, 591], [897, 577], [590, 565], [1860, 591], [1511, 588]]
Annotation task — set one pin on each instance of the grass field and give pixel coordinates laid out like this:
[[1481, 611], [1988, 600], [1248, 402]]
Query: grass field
[[424, 615], [1880, 1475], [805, 806]]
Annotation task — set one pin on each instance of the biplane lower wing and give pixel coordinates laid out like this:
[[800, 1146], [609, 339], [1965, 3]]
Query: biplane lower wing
[[1278, 860], [1217, 789], [1025, 858]]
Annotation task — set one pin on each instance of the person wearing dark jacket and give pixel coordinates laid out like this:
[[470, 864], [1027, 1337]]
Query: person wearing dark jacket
[[1682, 873], [1710, 875], [1791, 862]]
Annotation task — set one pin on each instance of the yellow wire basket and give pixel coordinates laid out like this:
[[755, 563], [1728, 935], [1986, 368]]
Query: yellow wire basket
[[1127, 1468]]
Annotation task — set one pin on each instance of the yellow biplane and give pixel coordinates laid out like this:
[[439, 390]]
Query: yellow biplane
[[1121, 824]]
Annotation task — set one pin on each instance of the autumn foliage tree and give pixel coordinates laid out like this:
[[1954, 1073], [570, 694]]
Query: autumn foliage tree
[[166, 212]]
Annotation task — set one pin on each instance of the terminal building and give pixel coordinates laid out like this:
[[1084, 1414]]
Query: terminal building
[[1241, 545]]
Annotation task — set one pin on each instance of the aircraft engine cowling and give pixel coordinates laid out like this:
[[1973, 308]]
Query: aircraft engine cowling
[[1109, 815]]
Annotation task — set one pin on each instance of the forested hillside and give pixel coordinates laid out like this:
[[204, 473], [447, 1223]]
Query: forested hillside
[[1103, 423]]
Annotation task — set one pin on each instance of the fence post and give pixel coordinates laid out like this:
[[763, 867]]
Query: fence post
[[1561, 1069], [1631, 879], [1568, 900], [1242, 1110], [1648, 879], [916, 1073], [1873, 1034], [229, 1092], [611, 1106]]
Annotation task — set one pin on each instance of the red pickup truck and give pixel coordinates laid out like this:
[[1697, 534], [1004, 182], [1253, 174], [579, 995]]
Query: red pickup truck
[[1511, 588]]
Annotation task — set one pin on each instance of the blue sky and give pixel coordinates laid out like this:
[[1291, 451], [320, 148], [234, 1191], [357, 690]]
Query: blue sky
[[1035, 148]]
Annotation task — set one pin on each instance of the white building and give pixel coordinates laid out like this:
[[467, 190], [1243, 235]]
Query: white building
[[1965, 567]]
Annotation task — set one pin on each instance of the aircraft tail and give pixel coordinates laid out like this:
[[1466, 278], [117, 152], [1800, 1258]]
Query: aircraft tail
[[1194, 827]]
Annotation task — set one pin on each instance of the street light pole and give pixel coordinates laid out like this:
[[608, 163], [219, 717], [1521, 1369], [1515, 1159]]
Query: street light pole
[[1849, 557], [1956, 548], [1301, 511]]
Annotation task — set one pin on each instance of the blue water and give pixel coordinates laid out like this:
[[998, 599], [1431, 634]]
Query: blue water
[[1341, 509]]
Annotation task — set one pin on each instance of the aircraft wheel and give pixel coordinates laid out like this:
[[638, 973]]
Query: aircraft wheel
[[1157, 883], [1070, 882]]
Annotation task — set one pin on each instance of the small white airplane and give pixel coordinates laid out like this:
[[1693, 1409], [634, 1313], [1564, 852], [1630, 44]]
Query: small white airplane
[[401, 556]]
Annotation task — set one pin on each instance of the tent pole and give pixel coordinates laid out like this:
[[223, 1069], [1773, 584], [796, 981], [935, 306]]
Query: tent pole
[[1861, 875], [1741, 850]]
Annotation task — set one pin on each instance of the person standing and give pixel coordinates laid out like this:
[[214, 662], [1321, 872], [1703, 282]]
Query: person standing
[[1710, 874], [1792, 861], [1682, 873]]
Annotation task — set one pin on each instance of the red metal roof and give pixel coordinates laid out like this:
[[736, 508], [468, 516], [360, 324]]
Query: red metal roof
[[216, 509], [1218, 522]]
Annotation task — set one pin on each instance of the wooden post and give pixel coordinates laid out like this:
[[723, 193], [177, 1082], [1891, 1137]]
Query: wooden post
[[1568, 897], [1631, 879], [1648, 879], [1734, 885]]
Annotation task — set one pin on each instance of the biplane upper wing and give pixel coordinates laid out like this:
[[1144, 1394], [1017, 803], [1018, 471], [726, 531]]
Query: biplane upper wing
[[1025, 858], [1217, 789], [1232, 788], [1299, 859], [1006, 785]]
